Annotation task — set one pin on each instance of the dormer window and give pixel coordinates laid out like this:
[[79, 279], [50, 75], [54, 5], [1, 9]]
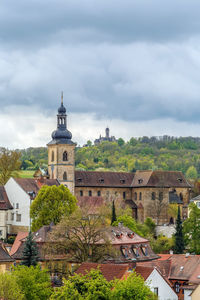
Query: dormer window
[[144, 250], [79, 179], [140, 180], [180, 180], [101, 180], [130, 235], [122, 180], [136, 252]]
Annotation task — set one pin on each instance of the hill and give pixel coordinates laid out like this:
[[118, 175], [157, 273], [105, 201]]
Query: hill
[[165, 153]]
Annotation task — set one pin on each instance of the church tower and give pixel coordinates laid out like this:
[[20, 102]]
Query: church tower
[[61, 161]]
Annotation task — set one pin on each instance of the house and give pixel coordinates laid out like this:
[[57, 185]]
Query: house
[[6, 261], [153, 278], [5, 209], [183, 271], [21, 192]]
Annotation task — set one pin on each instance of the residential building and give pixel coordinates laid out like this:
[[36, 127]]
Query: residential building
[[5, 209]]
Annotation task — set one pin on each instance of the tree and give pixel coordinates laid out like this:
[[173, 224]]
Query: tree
[[83, 238], [162, 244], [120, 142], [191, 229], [34, 283], [91, 286], [157, 207], [179, 240], [9, 164], [114, 217], [9, 289], [133, 288], [191, 173], [50, 205], [30, 252]]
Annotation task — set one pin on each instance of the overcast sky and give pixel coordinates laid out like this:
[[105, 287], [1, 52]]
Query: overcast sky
[[131, 65]]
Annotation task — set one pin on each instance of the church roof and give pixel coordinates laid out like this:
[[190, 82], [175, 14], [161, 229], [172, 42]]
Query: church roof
[[103, 179]]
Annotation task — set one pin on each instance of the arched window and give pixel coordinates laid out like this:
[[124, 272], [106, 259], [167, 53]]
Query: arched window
[[181, 197], [65, 176], [153, 196], [52, 156], [135, 196], [65, 156], [140, 196]]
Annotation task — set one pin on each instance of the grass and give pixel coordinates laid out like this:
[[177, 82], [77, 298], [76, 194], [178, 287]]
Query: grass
[[26, 173]]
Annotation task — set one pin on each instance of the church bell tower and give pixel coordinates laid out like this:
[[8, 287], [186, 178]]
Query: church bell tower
[[61, 161]]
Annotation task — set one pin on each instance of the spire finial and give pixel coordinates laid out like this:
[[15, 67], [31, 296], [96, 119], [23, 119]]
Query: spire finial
[[62, 97]]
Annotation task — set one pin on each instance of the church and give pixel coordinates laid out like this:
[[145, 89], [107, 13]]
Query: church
[[148, 193]]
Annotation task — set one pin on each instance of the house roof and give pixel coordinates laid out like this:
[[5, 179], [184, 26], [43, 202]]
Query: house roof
[[4, 202], [31, 184], [18, 241], [92, 203], [4, 256], [109, 271], [159, 179], [197, 198], [103, 179], [144, 271]]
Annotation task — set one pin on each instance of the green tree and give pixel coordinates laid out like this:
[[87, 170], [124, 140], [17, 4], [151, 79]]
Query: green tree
[[162, 244], [133, 288], [51, 204], [179, 240], [34, 283], [120, 142], [9, 289], [9, 164], [30, 252], [191, 173], [191, 229], [91, 286], [114, 217]]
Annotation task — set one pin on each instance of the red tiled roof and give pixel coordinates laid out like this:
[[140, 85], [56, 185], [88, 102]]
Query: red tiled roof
[[4, 255], [109, 271], [162, 265], [17, 243], [4, 202], [103, 179], [144, 271], [31, 184], [92, 203], [159, 179]]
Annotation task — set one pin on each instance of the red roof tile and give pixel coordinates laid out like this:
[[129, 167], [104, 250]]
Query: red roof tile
[[144, 271], [4, 202], [17, 243], [109, 271], [31, 184]]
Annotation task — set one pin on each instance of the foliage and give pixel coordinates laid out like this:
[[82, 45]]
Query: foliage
[[34, 283], [179, 240], [132, 288], [30, 252], [162, 244], [191, 173], [50, 205], [9, 289], [81, 238], [114, 217], [91, 286], [9, 164], [191, 229]]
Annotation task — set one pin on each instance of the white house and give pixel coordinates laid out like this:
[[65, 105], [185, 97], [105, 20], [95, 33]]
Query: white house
[[21, 192], [157, 283], [5, 209]]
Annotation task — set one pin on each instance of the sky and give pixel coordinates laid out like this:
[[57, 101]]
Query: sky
[[131, 65]]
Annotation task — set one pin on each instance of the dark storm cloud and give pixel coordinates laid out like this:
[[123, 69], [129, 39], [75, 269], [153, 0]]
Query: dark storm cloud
[[131, 60]]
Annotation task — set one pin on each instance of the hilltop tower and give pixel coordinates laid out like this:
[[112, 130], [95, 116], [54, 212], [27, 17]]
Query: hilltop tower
[[61, 161]]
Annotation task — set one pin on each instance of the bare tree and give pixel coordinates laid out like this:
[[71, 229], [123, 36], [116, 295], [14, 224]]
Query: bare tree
[[158, 206]]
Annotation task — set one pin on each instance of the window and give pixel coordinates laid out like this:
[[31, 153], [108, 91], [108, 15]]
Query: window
[[136, 252], [52, 156], [144, 250], [90, 193], [140, 180], [65, 176], [12, 216], [98, 193], [17, 205], [198, 204], [79, 179], [153, 196], [101, 180], [81, 193], [65, 158], [135, 196], [161, 196], [124, 195], [140, 196], [18, 217], [181, 197], [156, 291], [177, 287], [122, 180]]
